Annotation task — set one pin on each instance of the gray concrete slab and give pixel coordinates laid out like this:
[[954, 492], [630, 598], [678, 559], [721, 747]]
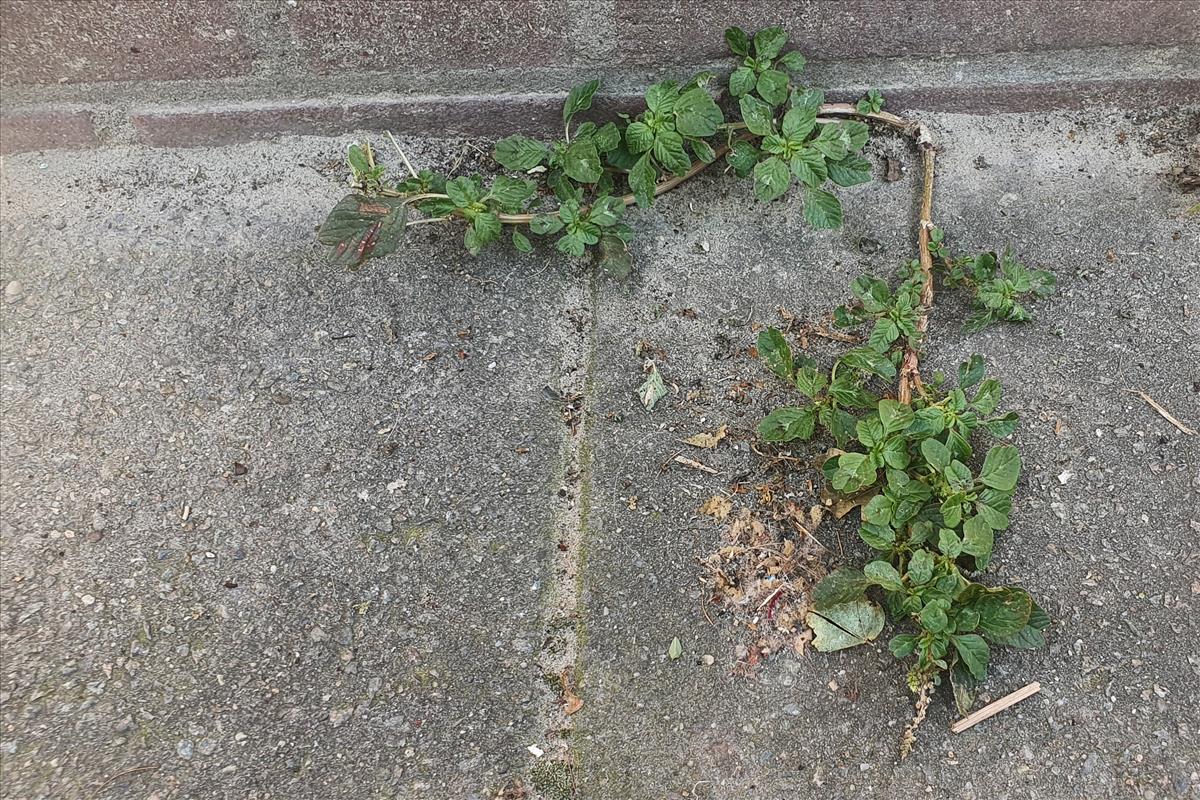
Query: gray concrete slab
[[1112, 551], [388, 547], [266, 525]]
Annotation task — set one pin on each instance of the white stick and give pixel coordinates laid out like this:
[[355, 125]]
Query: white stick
[[411, 171], [994, 708]]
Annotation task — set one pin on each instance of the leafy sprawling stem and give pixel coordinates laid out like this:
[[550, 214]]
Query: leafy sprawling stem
[[999, 286], [933, 502], [772, 129]]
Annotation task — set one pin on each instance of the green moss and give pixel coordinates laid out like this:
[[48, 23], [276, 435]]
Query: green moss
[[552, 779]]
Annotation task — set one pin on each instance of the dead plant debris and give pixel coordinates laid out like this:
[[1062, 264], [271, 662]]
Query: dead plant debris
[[762, 574]]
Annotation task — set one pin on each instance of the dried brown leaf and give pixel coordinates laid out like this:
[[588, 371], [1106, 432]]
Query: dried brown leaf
[[717, 507], [707, 441]]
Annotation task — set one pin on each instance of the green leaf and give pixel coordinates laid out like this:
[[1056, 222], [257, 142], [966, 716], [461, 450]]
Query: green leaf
[[521, 242], [696, 114], [810, 382], [877, 537], [463, 192], [856, 133], [850, 171], [773, 86], [903, 645], [675, 649], [758, 116], [581, 161], [642, 180], [668, 151], [798, 123], [639, 137], [543, 224], [869, 361], [572, 244], [936, 454], [357, 158], [788, 423], [580, 99], [703, 150], [512, 193], [963, 686], [970, 372], [920, 567], [563, 189], [606, 211], [607, 137], [948, 543], [845, 625], [1002, 611], [894, 415], [933, 615], [987, 398], [1002, 426], [738, 41], [614, 255], [809, 166], [822, 209], [883, 574], [977, 540], [769, 42], [974, 652], [361, 227], [1001, 467], [809, 98], [793, 62], [742, 81], [774, 349], [485, 228], [1030, 637], [832, 141], [652, 389], [843, 585], [883, 334], [771, 179], [520, 153], [660, 98], [742, 157]]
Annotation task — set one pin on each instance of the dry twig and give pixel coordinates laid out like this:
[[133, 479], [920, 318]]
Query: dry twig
[[1167, 415], [995, 707]]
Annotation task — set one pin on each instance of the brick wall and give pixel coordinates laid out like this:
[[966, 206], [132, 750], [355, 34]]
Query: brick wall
[[185, 72]]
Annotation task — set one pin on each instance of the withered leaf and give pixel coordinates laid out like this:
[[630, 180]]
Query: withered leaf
[[707, 441], [717, 507]]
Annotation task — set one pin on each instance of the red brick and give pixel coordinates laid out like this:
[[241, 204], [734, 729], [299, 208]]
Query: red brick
[[22, 131], [431, 34], [1066, 95], [682, 31], [59, 41], [423, 116]]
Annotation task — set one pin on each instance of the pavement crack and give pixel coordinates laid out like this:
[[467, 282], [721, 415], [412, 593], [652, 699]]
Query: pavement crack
[[559, 659]]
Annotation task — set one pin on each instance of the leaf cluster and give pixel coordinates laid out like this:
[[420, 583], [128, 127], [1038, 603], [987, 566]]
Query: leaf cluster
[[788, 140], [999, 285], [680, 129], [932, 505]]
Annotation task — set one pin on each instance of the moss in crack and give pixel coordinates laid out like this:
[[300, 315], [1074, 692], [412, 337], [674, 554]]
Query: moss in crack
[[553, 780]]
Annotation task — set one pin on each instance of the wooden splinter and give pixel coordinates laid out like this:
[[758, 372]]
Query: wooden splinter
[[994, 708]]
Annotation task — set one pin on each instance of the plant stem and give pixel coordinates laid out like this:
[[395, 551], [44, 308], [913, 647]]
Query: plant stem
[[910, 375], [411, 171]]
